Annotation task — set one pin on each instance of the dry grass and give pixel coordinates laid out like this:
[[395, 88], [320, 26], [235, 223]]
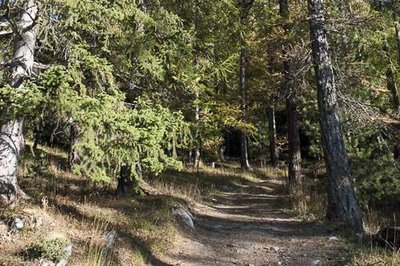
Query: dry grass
[[310, 207], [82, 210], [376, 256], [195, 184]]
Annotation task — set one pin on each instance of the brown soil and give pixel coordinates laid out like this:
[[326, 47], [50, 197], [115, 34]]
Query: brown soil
[[249, 226]]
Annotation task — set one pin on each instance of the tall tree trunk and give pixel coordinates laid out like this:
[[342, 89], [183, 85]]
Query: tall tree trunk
[[342, 202], [244, 154], [245, 6], [294, 160], [395, 97], [273, 149], [197, 148], [11, 135], [397, 28]]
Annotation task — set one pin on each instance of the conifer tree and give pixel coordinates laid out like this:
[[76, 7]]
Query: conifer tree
[[342, 202], [11, 133]]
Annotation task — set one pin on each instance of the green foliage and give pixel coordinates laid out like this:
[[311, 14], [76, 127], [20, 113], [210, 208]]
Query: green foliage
[[53, 249], [376, 173], [113, 132]]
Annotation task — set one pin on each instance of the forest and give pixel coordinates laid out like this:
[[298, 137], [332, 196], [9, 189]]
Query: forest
[[199, 132]]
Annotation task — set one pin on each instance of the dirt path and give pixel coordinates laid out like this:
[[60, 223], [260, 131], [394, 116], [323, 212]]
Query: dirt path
[[248, 226]]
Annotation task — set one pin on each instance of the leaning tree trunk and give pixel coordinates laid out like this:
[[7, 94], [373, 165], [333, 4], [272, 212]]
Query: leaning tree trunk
[[294, 160], [273, 149], [342, 202], [11, 135], [244, 153]]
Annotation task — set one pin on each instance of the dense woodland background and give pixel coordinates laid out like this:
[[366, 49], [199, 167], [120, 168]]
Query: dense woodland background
[[129, 89]]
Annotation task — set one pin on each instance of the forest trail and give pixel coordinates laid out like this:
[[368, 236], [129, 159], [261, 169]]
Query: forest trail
[[249, 226]]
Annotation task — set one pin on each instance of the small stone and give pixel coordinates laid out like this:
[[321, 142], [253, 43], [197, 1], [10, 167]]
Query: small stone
[[276, 249], [279, 262], [231, 245], [16, 225], [109, 238], [315, 263], [333, 238], [250, 264]]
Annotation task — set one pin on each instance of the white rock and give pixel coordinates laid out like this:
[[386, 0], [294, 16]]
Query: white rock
[[16, 225], [333, 238], [276, 249], [315, 263]]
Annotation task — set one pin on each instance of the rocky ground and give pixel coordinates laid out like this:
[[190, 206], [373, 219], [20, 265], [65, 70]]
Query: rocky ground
[[249, 226]]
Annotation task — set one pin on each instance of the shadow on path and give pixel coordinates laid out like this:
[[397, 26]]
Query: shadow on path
[[248, 225]]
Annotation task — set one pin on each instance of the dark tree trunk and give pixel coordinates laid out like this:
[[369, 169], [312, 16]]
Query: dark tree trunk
[[73, 156], [392, 87], [273, 149], [342, 202], [127, 184], [397, 28], [11, 134], [294, 160]]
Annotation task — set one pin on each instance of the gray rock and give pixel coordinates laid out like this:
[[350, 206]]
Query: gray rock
[[109, 237], [232, 245], [184, 217], [315, 262], [16, 225]]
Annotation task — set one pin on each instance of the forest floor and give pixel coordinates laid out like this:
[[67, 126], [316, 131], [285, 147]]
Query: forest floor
[[249, 224], [239, 218]]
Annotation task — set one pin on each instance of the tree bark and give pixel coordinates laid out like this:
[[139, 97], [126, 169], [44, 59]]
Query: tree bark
[[392, 87], [294, 160], [342, 202], [73, 156], [244, 154], [197, 140], [273, 150], [128, 185], [11, 135], [397, 28], [245, 6]]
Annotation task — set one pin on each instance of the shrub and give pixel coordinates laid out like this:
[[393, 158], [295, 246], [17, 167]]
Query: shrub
[[53, 249]]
